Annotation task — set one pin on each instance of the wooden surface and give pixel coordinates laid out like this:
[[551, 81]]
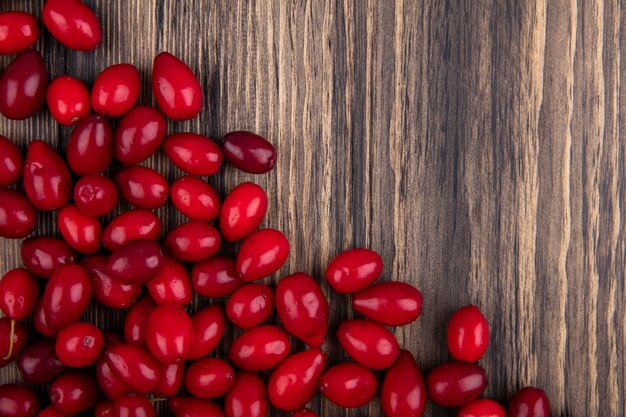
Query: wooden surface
[[475, 144]]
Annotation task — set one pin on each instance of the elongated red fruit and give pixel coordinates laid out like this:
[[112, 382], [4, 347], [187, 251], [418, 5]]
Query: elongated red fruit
[[131, 225], [389, 303], [208, 329], [19, 31], [259, 348], [454, 384], [42, 255], [116, 90], [403, 391], [195, 198], [262, 254], [139, 135], [38, 363], [90, 146], [68, 100], [19, 293], [354, 270], [176, 88], [169, 333], [47, 180], [18, 401], [468, 334], [66, 296], [81, 231], [135, 367], [18, 216], [23, 86], [349, 385], [529, 402], [73, 24], [250, 305], [243, 211], [482, 407], [249, 152], [209, 378], [74, 392], [11, 162], [369, 343], [247, 397], [194, 154]]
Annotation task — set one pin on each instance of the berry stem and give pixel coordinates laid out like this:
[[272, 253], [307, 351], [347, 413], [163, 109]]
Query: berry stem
[[11, 341]]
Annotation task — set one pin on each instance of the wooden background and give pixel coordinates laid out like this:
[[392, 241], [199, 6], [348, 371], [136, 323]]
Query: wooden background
[[475, 144]]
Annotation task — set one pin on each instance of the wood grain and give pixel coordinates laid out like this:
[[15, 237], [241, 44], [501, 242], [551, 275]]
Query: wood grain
[[476, 145]]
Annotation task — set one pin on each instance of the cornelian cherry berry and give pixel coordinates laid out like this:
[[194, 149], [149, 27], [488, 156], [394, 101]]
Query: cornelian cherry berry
[[90, 146], [172, 284], [208, 329], [23, 86], [20, 30], [403, 391], [47, 180], [172, 375], [176, 88], [193, 241], [38, 363], [169, 333], [454, 384], [354, 270], [259, 348], [116, 90], [194, 154], [131, 225], [19, 293], [79, 344], [81, 231], [75, 392], [529, 402], [135, 367], [243, 211], [136, 262], [482, 407], [262, 254], [18, 216], [468, 334], [209, 378], [66, 296], [368, 343], [142, 187], [104, 408], [250, 305], [43, 255], [249, 152], [133, 406], [195, 198], [135, 323], [11, 162], [389, 303], [95, 195], [68, 100], [215, 277], [18, 401], [349, 385], [247, 396], [73, 24], [139, 135], [110, 385]]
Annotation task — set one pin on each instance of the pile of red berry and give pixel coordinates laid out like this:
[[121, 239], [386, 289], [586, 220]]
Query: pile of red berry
[[164, 348]]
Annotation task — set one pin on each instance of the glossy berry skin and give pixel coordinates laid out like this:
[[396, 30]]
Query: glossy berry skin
[[349, 385], [250, 305], [135, 367], [368, 343], [247, 397], [243, 211], [23, 86], [133, 406], [468, 334], [139, 135], [19, 293], [142, 187], [303, 308], [20, 338], [131, 225], [110, 384], [171, 379], [47, 180], [40, 321], [74, 392], [208, 330], [18, 401], [195, 198], [18, 31], [104, 408], [194, 154], [136, 262], [194, 407], [50, 411], [39, 364], [176, 88], [482, 407], [81, 231], [68, 100], [73, 24], [105, 289], [262, 254], [116, 90], [79, 344], [193, 241], [11, 162], [259, 348], [403, 392], [66, 296], [90, 146], [529, 402], [135, 323], [172, 284], [169, 333], [354, 270], [454, 384], [295, 381], [215, 277], [249, 152], [18, 216], [389, 303], [209, 378], [43, 255], [95, 195]]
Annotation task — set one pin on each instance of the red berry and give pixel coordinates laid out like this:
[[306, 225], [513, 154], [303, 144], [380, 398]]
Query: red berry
[[135, 323], [295, 381], [50, 411], [43, 255], [20, 30], [18, 401], [349, 385], [23, 86], [259, 348], [454, 384], [116, 90], [195, 198], [169, 333], [10, 349], [208, 329], [193, 241], [74, 392], [135, 367], [142, 187], [250, 305], [73, 24], [529, 402], [172, 284], [131, 225], [47, 180], [68, 100], [40, 321], [18, 216], [90, 146], [209, 378], [95, 195], [79, 344], [247, 397], [389, 303], [262, 254], [11, 162], [249, 152], [19, 293], [368, 343], [110, 384], [136, 262], [194, 407], [354, 270], [243, 211], [194, 154], [38, 363], [171, 379], [468, 334], [81, 231], [303, 308], [66, 296], [482, 408], [175, 87], [215, 277], [133, 406], [139, 135], [403, 391]]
